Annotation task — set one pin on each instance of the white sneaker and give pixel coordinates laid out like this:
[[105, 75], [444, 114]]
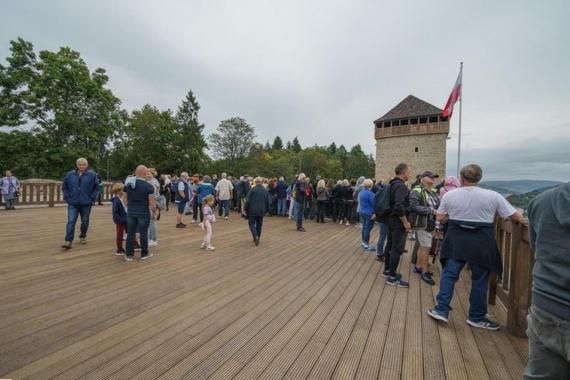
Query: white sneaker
[[348, 224], [202, 246], [210, 248], [152, 243], [226, 218], [193, 221], [201, 225], [340, 222]]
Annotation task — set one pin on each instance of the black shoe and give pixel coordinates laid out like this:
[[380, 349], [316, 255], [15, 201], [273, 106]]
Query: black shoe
[[256, 241], [426, 277], [485, 323], [380, 258], [180, 225], [398, 282], [66, 245], [301, 229]]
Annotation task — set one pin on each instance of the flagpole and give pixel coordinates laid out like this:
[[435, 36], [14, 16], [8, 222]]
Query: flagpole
[[460, 106]]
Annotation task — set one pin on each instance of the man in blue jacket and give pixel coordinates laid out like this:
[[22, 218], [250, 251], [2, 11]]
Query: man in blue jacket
[[80, 190]]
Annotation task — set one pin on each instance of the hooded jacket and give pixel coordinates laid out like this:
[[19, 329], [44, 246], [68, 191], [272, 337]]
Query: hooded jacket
[[399, 202], [549, 236]]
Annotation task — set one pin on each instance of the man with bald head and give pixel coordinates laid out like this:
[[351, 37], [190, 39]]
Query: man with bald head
[[140, 204], [80, 189]]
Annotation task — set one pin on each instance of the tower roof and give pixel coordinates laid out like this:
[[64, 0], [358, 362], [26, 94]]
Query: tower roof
[[410, 107]]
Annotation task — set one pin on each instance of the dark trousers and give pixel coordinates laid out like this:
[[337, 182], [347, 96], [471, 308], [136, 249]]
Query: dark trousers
[[224, 208], [300, 206], [197, 210], [137, 223], [337, 209], [395, 245], [255, 224], [73, 212], [347, 214], [321, 207], [479, 286]]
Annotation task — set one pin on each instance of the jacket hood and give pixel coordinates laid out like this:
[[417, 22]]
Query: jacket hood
[[396, 179], [451, 182], [561, 204]]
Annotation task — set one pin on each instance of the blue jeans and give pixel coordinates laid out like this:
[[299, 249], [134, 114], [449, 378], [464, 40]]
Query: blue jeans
[[73, 211], [479, 285], [255, 224], [137, 223], [382, 239], [282, 206], [367, 225], [225, 206]]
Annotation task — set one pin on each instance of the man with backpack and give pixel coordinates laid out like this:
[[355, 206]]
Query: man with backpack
[[398, 226], [382, 210]]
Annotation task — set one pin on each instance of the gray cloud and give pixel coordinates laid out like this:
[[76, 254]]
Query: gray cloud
[[324, 70]]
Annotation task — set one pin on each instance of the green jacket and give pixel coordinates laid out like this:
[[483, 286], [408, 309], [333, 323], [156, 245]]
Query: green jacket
[[421, 216]]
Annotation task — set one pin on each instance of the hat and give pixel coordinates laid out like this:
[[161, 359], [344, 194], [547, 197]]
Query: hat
[[429, 174]]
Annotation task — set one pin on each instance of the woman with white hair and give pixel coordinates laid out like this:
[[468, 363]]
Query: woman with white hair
[[322, 200], [347, 198], [366, 202]]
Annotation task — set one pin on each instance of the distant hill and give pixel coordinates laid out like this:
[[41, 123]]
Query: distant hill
[[522, 200], [518, 186]]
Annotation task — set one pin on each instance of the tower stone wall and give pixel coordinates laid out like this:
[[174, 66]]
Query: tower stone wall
[[430, 154]]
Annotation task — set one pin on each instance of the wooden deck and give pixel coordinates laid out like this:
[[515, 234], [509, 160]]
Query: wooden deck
[[299, 306]]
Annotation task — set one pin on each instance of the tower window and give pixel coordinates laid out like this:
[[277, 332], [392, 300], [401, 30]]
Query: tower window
[[416, 149], [413, 121], [423, 120], [396, 122], [404, 122], [387, 124], [433, 119]]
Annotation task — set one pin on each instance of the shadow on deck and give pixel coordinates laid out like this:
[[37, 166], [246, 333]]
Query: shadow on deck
[[310, 305]]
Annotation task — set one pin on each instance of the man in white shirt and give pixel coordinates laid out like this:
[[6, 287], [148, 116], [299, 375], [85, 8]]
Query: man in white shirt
[[224, 190], [470, 212]]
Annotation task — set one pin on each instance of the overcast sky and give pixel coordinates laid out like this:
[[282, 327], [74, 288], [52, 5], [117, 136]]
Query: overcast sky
[[324, 70]]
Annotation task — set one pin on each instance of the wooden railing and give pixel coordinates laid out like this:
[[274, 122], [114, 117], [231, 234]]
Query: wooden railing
[[48, 193], [514, 287]]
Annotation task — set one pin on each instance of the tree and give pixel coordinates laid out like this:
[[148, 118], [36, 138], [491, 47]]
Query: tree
[[296, 146], [232, 141], [277, 143], [332, 149], [289, 146], [65, 102], [190, 140], [267, 146]]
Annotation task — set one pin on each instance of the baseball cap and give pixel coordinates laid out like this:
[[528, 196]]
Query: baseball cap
[[429, 174]]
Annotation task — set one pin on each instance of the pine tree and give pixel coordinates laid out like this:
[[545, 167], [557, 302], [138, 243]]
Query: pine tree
[[296, 145], [277, 143]]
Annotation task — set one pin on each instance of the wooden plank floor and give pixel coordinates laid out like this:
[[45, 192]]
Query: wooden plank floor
[[300, 306]]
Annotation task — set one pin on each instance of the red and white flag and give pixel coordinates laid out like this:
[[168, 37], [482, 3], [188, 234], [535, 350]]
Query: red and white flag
[[453, 97]]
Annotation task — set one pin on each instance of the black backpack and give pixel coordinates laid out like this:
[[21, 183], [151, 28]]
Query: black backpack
[[382, 201]]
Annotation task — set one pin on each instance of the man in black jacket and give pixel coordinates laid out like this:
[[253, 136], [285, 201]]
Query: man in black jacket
[[398, 226], [255, 207]]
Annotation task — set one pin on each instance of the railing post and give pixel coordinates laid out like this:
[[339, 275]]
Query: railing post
[[51, 194]]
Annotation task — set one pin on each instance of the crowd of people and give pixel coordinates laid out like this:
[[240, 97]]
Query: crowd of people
[[455, 215]]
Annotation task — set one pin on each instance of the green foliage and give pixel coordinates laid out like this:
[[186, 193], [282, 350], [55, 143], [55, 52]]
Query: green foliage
[[277, 143], [69, 107], [232, 141], [60, 110], [296, 145]]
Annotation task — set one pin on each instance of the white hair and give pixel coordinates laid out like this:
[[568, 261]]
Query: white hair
[[367, 183], [302, 176], [184, 175], [224, 175], [281, 179], [345, 182], [83, 160]]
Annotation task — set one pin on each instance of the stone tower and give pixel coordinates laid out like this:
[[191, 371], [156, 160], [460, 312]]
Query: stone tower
[[413, 132]]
